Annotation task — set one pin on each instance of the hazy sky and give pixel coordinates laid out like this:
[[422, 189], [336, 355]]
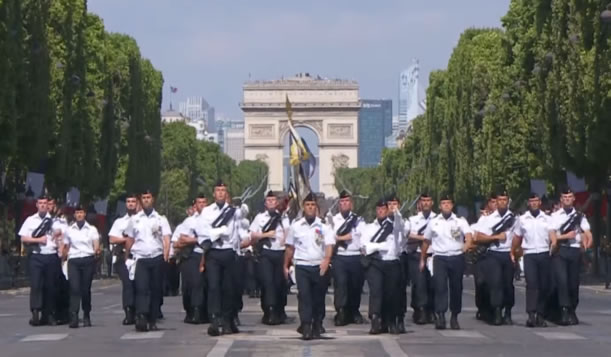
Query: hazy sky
[[210, 47]]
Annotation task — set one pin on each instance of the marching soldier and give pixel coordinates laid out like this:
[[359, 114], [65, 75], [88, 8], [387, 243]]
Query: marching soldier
[[478, 259], [40, 237], [381, 244], [118, 236], [239, 276], [348, 273], [268, 232], [60, 226], [310, 243], [215, 232], [449, 236], [532, 234], [422, 287], [190, 253], [496, 231], [81, 247], [149, 243], [402, 228], [572, 232]]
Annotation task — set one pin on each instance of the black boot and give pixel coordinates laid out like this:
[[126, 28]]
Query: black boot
[[540, 321], [573, 320], [265, 318], [393, 327], [497, 318], [316, 329], [430, 317], [282, 317], [73, 320], [51, 320], [507, 317], [35, 320], [195, 316], [152, 324], [421, 316], [306, 332], [129, 316], [233, 324], [141, 323], [376, 325], [340, 318], [236, 320], [564, 316], [440, 321], [213, 329], [532, 320], [273, 317], [86, 319], [454, 322], [357, 318], [401, 323], [226, 326]]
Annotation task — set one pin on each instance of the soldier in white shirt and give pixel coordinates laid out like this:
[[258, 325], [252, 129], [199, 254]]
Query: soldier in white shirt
[[118, 236], [149, 243], [190, 255], [496, 231], [39, 237], [242, 241], [81, 246], [60, 226], [532, 233], [310, 243], [348, 272], [422, 285], [477, 258], [402, 231], [268, 234], [449, 236], [572, 232], [380, 242], [215, 231]]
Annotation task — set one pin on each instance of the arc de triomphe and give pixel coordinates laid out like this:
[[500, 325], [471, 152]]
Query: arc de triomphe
[[329, 107]]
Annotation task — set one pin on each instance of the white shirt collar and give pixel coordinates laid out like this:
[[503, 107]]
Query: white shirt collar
[[75, 225]]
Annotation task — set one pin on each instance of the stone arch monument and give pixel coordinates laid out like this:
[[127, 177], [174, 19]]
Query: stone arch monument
[[329, 107]]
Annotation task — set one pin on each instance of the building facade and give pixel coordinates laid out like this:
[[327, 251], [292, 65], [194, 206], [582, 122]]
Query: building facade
[[234, 143], [375, 119], [327, 107]]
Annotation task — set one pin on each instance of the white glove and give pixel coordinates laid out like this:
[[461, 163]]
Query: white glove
[[131, 268], [371, 248], [244, 209], [65, 269], [429, 265], [216, 233]]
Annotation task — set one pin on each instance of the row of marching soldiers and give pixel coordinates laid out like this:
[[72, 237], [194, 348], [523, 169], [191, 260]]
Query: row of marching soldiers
[[430, 250]]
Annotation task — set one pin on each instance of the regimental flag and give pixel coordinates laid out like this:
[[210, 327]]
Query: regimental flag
[[300, 153], [173, 89]]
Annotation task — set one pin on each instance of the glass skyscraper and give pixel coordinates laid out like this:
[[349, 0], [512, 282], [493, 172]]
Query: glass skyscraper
[[375, 124]]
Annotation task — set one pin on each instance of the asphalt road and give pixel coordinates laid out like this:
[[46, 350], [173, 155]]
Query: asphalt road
[[108, 337]]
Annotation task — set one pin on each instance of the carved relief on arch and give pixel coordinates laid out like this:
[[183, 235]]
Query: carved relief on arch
[[314, 124], [339, 161]]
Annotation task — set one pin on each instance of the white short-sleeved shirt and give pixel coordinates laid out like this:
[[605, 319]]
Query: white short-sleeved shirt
[[148, 232], [189, 228], [203, 226], [353, 246], [309, 241], [390, 249], [30, 225], [560, 217], [81, 240], [486, 223], [447, 236], [279, 240], [417, 222], [243, 235], [534, 232], [120, 226]]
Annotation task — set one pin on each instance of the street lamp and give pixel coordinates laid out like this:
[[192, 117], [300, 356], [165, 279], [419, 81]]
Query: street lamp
[[605, 16]]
